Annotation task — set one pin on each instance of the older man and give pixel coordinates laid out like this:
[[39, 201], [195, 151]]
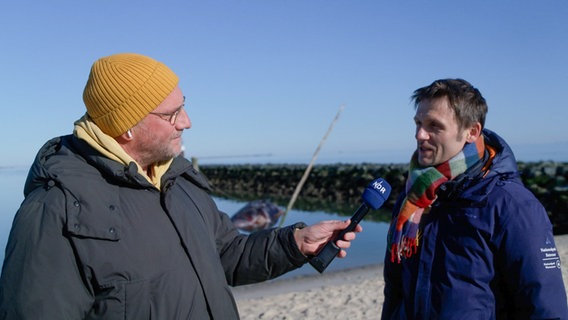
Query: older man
[[116, 225]]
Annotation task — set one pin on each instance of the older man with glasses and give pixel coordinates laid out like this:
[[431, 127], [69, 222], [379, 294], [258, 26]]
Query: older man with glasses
[[117, 225]]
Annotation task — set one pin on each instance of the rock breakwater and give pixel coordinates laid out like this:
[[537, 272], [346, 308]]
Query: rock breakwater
[[338, 187]]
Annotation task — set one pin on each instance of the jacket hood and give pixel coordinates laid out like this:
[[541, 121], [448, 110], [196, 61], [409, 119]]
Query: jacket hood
[[504, 160], [63, 160]]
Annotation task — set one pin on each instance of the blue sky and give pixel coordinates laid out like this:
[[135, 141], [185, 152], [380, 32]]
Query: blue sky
[[264, 79]]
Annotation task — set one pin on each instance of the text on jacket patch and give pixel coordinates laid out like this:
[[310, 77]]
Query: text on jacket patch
[[550, 258]]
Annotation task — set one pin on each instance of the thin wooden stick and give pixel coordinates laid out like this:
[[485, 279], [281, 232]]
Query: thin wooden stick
[[309, 168]]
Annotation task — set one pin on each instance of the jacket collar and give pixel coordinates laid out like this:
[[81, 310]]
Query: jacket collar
[[469, 185]]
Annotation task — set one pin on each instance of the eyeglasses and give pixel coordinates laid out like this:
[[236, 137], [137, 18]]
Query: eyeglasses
[[170, 117]]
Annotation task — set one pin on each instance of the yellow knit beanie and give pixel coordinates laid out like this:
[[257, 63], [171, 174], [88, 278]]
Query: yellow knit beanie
[[124, 88]]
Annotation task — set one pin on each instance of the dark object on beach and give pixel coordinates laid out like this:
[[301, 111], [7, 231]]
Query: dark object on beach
[[257, 215]]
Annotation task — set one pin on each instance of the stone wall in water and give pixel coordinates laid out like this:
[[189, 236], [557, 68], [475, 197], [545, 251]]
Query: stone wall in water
[[338, 187]]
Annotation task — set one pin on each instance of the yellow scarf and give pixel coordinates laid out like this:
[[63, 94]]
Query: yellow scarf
[[85, 129]]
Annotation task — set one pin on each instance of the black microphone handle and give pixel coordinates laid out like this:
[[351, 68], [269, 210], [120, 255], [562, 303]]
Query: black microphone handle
[[330, 250], [355, 219]]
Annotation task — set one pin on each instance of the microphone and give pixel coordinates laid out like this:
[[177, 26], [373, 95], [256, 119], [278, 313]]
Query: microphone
[[376, 193]]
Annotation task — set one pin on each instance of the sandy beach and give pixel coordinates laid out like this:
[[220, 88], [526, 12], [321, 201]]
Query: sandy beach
[[347, 294]]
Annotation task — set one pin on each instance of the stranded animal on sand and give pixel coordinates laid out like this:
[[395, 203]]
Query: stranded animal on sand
[[257, 215]]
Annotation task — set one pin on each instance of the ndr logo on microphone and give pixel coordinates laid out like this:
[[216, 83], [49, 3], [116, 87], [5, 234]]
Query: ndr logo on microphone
[[378, 185]]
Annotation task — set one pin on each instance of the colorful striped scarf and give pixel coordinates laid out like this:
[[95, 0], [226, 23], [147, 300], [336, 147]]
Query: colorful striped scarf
[[421, 186]]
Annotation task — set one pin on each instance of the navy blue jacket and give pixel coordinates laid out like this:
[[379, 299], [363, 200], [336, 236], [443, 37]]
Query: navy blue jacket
[[487, 252]]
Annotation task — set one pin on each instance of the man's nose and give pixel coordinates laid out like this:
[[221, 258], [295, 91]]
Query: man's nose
[[183, 121]]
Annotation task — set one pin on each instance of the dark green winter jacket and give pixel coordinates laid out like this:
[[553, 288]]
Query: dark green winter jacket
[[94, 239]]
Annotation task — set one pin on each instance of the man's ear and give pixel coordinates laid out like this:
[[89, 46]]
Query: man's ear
[[125, 137], [474, 132]]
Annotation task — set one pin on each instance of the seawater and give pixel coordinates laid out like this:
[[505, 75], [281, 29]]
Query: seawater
[[368, 248]]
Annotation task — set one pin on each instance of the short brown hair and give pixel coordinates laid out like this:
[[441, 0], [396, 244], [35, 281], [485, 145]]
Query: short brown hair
[[467, 102]]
